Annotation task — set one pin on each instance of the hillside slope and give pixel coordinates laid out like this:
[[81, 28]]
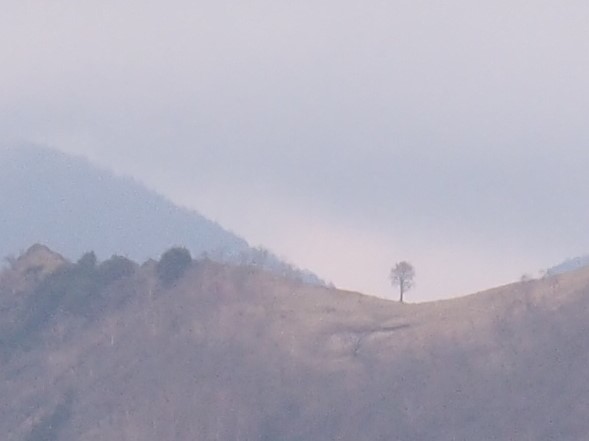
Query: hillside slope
[[234, 353], [72, 206]]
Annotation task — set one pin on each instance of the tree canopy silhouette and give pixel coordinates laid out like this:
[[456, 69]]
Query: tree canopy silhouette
[[402, 275], [173, 264]]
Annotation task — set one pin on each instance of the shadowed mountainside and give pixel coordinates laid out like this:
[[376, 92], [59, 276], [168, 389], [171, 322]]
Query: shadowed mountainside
[[69, 204], [72, 206], [234, 353]]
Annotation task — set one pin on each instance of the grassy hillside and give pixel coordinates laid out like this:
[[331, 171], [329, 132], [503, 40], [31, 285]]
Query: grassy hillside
[[234, 353]]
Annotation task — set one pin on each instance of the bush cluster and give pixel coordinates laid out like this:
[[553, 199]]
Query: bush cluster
[[78, 289], [172, 265]]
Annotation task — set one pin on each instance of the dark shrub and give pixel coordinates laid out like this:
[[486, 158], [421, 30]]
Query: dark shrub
[[87, 262], [79, 289], [173, 264], [115, 268]]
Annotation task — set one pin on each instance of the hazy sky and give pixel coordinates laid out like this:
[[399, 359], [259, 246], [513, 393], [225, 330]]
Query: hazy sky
[[344, 135]]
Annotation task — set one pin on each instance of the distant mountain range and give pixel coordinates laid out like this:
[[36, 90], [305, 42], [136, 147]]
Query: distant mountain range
[[569, 265], [72, 206]]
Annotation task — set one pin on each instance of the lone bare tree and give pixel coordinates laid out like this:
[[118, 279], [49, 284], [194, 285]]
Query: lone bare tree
[[402, 275]]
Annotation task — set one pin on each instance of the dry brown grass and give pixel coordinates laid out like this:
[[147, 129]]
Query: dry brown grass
[[233, 353]]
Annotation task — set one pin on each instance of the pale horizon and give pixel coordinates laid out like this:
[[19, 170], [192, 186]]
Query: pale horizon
[[342, 136]]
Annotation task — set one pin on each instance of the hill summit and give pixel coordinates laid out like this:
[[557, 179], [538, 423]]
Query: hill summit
[[40, 259]]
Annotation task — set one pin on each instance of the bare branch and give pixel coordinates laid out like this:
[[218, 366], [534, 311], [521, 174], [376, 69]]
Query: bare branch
[[402, 275]]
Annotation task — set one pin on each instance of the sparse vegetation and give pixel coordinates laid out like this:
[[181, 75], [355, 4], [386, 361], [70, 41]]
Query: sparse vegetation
[[402, 275], [261, 257], [321, 364], [78, 289]]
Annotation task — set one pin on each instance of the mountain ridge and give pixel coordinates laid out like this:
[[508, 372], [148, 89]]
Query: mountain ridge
[[570, 264], [71, 205]]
